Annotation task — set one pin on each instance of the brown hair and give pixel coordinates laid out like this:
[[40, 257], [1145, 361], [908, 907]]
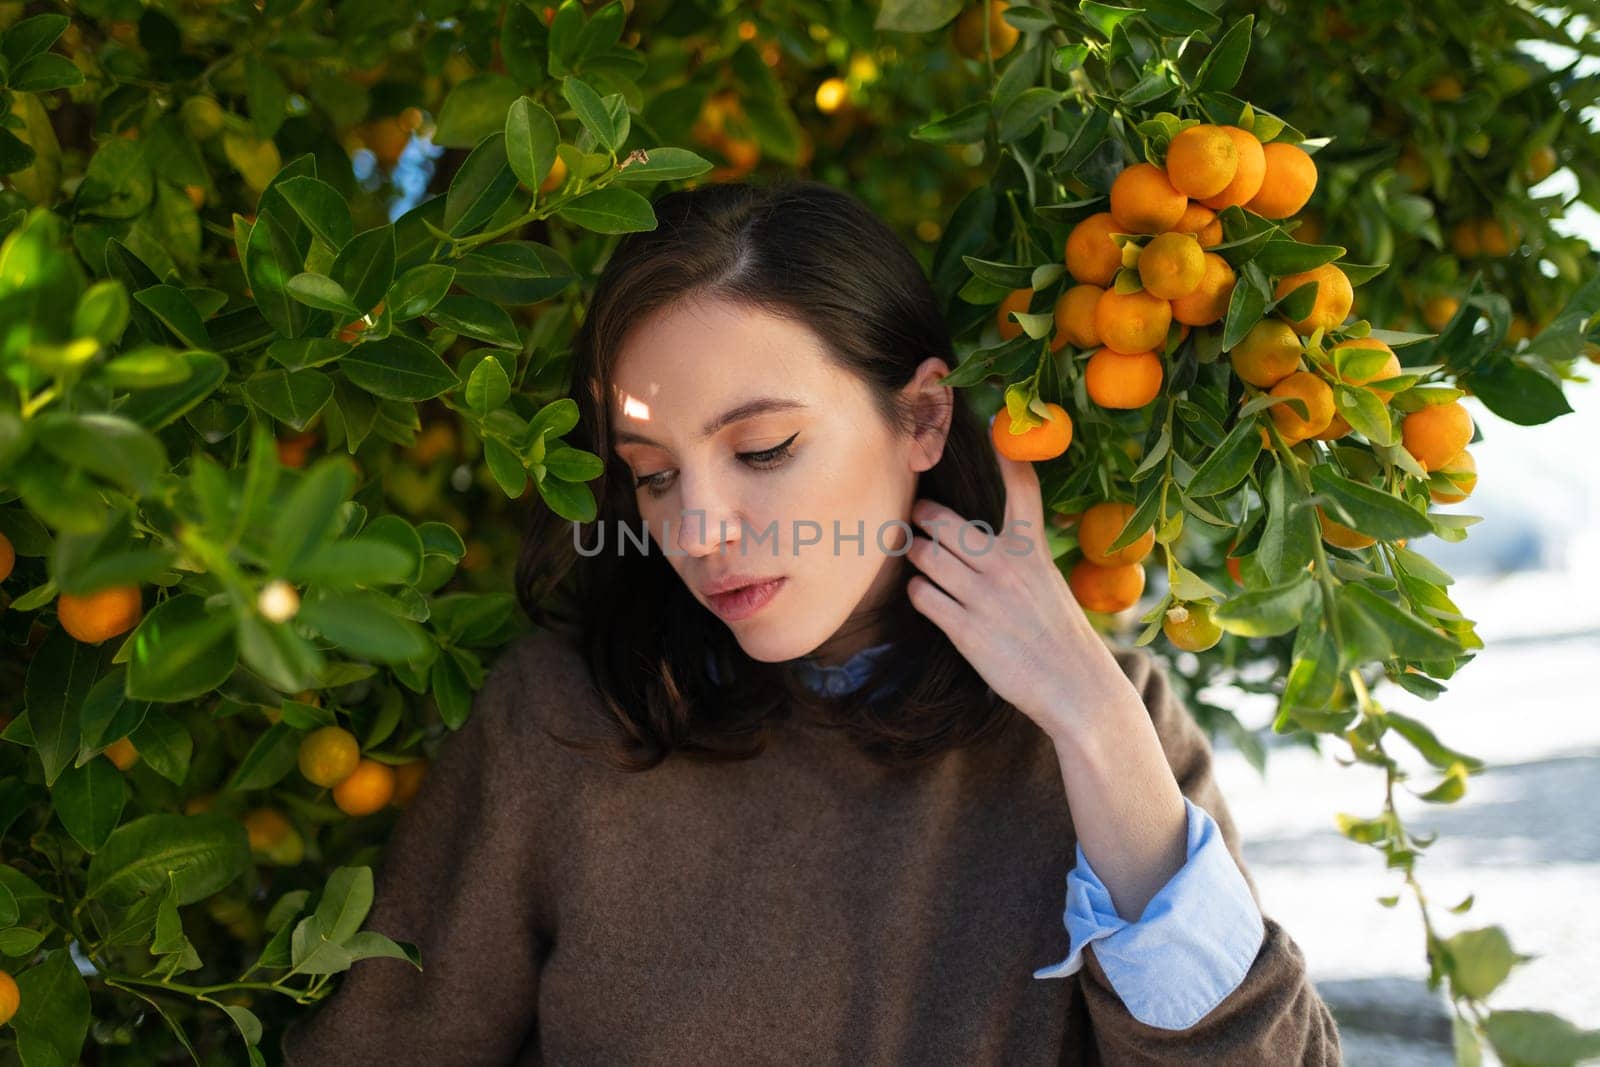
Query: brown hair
[[818, 255]]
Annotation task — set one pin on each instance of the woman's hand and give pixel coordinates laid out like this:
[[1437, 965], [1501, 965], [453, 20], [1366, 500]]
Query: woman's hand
[[1008, 609]]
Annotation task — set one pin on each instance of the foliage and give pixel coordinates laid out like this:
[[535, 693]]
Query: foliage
[[286, 401]]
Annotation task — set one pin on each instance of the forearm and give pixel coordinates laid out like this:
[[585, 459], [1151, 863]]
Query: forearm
[[1127, 809]]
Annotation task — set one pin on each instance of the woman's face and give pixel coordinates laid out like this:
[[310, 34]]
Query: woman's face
[[749, 448]]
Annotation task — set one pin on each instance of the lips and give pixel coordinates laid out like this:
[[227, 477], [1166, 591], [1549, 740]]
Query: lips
[[744, 600]]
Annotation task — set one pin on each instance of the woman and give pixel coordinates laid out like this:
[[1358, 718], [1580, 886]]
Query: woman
[[890, 732]]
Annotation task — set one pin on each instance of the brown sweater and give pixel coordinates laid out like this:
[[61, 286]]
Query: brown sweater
[[804, 907]]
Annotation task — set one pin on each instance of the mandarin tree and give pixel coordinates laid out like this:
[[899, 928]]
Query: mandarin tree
[[287, 294]]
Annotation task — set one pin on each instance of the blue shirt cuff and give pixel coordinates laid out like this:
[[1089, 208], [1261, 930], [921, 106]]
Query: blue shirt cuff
[[1192, 946]]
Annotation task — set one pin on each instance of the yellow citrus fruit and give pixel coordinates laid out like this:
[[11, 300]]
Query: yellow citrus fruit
[[967, 30], [1333, 302], [1016, 300], [1093, 258], [1519, 329], [1444, 88], [122, 753], [1337, 428], [1389, 369], [1099, 527], [1496, 238], [328, 755], [93, 617], [1247, 176], [408, 780], [1208, 303], [1289, 181], [1436, 434], [1045, 441], [1337, 533], [557, 175], [1201, 161], [1123, 379], [1413, 168], [200, 802], [1171, 265], [1144, 201], [8, 557], [1267, 355], [1465, 469], [367, 789], [1202, 222], [1191, 627], [1437, 311], [1075, 317], [1132, 322], [10, 997], [831, 94], [1106, 589], [266, 827], [1541, 164], [1464, 239], [1318, 399]]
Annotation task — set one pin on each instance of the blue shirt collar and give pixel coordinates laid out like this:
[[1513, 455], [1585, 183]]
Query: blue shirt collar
[[834, 680]]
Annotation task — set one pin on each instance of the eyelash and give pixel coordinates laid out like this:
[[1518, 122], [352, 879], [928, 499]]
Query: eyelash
[[765, 460]]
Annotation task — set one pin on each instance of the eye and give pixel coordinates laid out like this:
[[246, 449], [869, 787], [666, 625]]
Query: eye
[[767, 459]]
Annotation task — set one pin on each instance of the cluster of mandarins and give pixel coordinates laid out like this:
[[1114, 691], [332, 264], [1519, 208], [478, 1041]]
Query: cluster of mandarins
[[1144, 267]]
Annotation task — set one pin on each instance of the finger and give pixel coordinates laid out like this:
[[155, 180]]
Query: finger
[[1024, 511], [951, 574], [967, 542], [940, 607]]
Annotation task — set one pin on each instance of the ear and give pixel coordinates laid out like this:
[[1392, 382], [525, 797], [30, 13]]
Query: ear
[[934, 405]]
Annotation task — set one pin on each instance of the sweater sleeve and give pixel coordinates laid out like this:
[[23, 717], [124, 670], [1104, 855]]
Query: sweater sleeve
[[457, 880], [1274, 1014]]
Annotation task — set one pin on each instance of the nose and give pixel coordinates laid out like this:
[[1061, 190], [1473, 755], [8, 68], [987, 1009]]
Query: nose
[[708, 523]]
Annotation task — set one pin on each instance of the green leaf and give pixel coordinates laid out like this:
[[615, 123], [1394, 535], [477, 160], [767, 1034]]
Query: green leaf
[[1364, 411], [60, 675], [44, 73], [202, 853], [916, 16], [88, 800], [102, 312], [1517, 393], [110, 446], [591, 111], [1225, 62], [292, 397], [484, 182], [1433, 750], [273, 756], [365, 268], [321, 291], [398, 368], [322, 208], [661, 165], [1289, 540], [1408, 636], [514, 272], [416, 291], [366, 625], [1367, 509], [311, 513], [31, 36], [1530, 1038], [610, 210], [1228, 464], [1266, 612], [1284, 256], [165, 746], [169, 304], [1245, 307], [52, 1017], [488, 387], [531, 139], [155, 408], [265, 94], [180, 652], [475, 108], [271, 259], [475, 317]]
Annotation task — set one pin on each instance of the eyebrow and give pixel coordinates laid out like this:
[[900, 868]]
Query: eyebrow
[[748, 410]]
